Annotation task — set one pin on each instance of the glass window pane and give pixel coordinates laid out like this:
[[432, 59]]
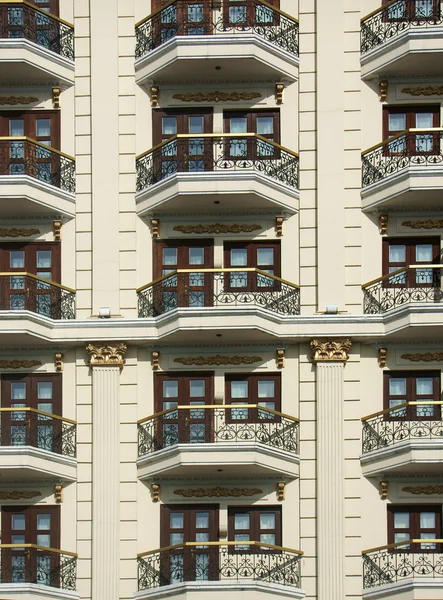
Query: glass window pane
[[397, 386], [44, 259], [43, 127], [241, 521], [169, 256], [424, 120], [267, 538], [17, 259], [176, 520], [18, 390], [43, 521], [44, 390], [266, 389], [16, 127], [197, 388], [427, 520], [170, 389], [267, 521], [202, 520], [401, 520], [239, 257], [424, 386], [18, 522], [44, 539], [196, 125], [265, 125], [176, 538], [196, 256], [397, 253], [239, 389], [238, 125], [401, 537], [169, 125], [265, 256], [397, 122], [45, 407], [423, 253], [18, 539]]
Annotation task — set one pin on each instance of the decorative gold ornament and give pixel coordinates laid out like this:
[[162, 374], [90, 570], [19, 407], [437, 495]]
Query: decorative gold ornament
[[382, 357], [218, 228], [280, 360], [58, 493], [383, 90], [14, 100], [16, 232], [279, 226], [384, 485], [424, 357], [216, 96], [217, 360], [155, 228], [57, 229], [218, 492], [155, 492], [155, 91], [19, 364], [107, 355], [427, 490], [279, 89], [383, 224], [281, 491], [19, 495], [424, 224], [59, 361], [155, 360], [331, 350], [429, 90], [56, 91]]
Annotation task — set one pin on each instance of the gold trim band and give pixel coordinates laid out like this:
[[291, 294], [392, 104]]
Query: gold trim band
[[35, 547], [38, 412], [404, 543], [30, 140], [400, 406], [401, 134], [36, 277]]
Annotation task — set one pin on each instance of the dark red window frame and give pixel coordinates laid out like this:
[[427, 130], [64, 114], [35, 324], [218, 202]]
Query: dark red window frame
[[412, 412], [414, 530]]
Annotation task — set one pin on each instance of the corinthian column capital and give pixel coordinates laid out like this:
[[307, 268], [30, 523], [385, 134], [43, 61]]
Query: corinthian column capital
[[331, 350], [108, 355]]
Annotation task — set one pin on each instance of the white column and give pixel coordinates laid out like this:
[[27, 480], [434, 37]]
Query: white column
[[330, 358], [106, 363]]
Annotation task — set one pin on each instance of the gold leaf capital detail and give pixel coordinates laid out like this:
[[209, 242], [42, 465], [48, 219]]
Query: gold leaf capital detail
[[218, 228], [216, 96], [218, 492], [106, 355], [331, 350], [19, 364], [15, 232], [217, 360], [424, 357]]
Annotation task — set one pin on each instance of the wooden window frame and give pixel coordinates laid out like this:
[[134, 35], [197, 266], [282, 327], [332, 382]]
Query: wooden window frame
[[252, 147], [410, 12], [410, 243], [253, 413], [410, 413], [30, 117], [252, 277], [254, 527], [411, 112], [251, 16], [414, 511]]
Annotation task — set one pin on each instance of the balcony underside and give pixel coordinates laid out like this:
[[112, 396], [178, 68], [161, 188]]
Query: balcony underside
[[213, 590], [23, 62], [411, 189], [405, 458], [32, 591], [34, 464], [240, 56], [256, 460], [212, 191], [22, 195], [409, 589], [414, 53]]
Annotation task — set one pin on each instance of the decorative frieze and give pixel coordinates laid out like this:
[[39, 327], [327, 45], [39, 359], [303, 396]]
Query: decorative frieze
[[424, 357], [19, 494], [218, 228], [107, 355], [15, 100], [19, 364], [281, 491], [218, 492], [427, 90], [424, 224], [382, 357], [217, 360], [216, 96], [426, 490], [331, 350], [383, 224], [16, 232]]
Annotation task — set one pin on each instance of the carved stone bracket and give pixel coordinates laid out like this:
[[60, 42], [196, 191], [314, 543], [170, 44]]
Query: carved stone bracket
[[383, 90], [424, 224], [218, 228], [424, 357], [57, 229], [58, 493], [279, 226], [14, 100], [56, 91], [216, 96], [331, 350], [427, 490], [59, 364], [382, 357], [218, 492], [383, 224], [15, 232], [217, 360], [384, 487], [280, 360], [100, 356], [279, 89], [155, 360], [155, 229], [155, 492], [19, 364], [281, 491], [155, 92], [19, 494]]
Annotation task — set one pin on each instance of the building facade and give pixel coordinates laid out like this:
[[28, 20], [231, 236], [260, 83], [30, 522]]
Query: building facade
[[221, 300]]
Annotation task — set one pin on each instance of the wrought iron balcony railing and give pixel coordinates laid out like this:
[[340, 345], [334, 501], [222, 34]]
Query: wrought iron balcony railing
[[415, 284], [219, 561], [21, 19], [395, 17], [220, 153], [24, 291], [28, 563], [414, 147], [186, 18], [218, 424], [24, 156], [199, 288], [394, 425], [409, 559], [31, 427]]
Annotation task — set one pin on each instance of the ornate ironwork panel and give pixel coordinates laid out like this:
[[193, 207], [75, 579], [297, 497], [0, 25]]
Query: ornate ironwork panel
[[219, 562], [25, 21], [394, 19], [218, 425], [184, 18]]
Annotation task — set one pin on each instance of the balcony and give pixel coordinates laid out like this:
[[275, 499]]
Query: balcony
[[395, 444], [248, 439], [36, 48], [183, 39], [404, 172], [191, 570], [214, 172], [402, 39], [37, 445], [35, 179], [412, 573], [30, 571]]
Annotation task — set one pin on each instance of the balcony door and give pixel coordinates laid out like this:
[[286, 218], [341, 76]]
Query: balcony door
[[25, 428], [257, 255], [19, 292], [186, 17], [246, 13], [400, 118], [180, 524], [401, 387], [415, 522], [264, 123], [254, 524], [412, 10], [31, 525], [399, 253], [50, 6], [193, 426], [184, 289], [191, 155], [258, 389]]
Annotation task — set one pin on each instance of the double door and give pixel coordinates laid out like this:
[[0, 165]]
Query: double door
[[400, 118], [22, 21], [400, 253], [244, 14], [185, 17]]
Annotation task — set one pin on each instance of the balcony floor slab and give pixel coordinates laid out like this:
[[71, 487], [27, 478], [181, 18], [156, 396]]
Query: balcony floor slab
[[409, 589], [27, 462], [32, 591], [405, 458], [21, 195]]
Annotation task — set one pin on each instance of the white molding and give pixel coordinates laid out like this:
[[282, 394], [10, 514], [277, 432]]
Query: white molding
[[408, 585], [37, 590]]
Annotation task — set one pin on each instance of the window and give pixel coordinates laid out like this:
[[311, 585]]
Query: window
[[256, 255], [400, 118], [183, 426], [412, 10], [260, 389], [25, 428], [416, 522], [38, 525], [245, 14], [50, 6], [264, 123], [254, 524], [417, 386], [400, 253], [193, 17]]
